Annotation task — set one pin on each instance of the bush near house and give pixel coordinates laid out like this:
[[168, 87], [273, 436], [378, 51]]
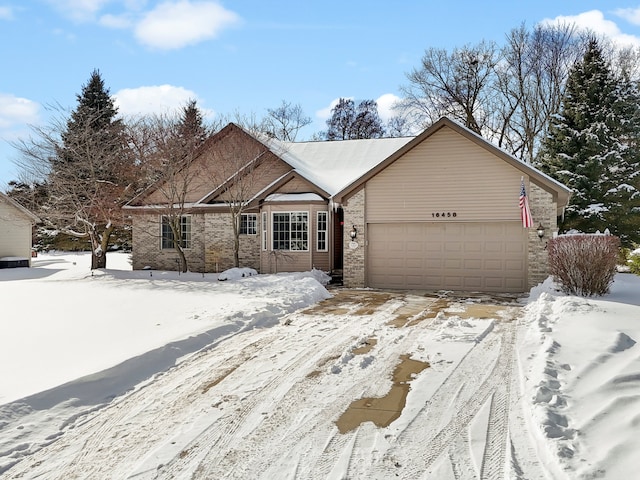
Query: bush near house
[[633, 261], [584, 264]]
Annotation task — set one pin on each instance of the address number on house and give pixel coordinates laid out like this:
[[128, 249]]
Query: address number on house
[[444, 214]]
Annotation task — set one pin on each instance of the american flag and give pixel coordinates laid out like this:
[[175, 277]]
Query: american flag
[[525, 213]]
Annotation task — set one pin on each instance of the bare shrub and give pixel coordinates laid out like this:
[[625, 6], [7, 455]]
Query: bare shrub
[[584, 265]]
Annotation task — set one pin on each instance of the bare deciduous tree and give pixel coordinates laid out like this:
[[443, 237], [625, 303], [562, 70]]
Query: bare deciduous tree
[[456, 84], [167, 147], [285, 121], [530, 82], [241, 164]]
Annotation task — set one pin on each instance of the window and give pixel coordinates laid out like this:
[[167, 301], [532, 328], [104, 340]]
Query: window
[[321, 239], [291, 231], [265, 240], [249, 224], [167, 234]]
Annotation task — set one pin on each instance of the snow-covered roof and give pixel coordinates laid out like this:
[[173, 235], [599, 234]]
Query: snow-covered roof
[[293, 197], [6, 198], [335, 164]]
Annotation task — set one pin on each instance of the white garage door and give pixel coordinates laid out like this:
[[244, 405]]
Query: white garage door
[[486, 257]]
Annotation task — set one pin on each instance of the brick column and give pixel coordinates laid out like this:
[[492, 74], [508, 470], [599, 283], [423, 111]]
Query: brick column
[[354, 258], [544, 212]]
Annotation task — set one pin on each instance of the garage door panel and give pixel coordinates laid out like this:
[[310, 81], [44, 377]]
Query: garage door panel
[[432, 263], [453, 264], [472, 264], [473, 283], [453, 256], [493, 264]]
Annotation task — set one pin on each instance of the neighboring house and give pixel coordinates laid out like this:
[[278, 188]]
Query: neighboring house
[[16, 224], [431, 212]]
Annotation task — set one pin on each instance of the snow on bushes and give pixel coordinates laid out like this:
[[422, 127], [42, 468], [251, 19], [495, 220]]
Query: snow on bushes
[[237, 273], [584, 264]]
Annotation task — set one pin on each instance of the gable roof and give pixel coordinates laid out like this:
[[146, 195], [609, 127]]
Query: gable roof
[[332, 165], [34, 218], [328, 166], [560, 192], [338, 168]]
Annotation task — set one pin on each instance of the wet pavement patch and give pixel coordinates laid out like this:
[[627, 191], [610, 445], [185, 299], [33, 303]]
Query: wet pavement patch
[[415, 311], [383, 411], [352, 302], [365, 347]]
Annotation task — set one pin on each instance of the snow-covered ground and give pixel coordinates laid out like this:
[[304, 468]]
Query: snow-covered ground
[[148, 374]]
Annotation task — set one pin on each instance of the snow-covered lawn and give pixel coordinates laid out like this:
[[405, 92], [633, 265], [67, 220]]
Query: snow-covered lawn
[[148, 374]]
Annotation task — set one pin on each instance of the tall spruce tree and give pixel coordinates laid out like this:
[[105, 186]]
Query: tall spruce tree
[[192, 129], [590, 148], [91, 172]]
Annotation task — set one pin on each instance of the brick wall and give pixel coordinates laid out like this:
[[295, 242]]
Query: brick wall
[[219, 244], [544, 212], [146, 251], [354, 258], [211, 245]]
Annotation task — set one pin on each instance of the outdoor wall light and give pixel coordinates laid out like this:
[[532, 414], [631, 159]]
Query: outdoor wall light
[[353, 233], [540, 231]]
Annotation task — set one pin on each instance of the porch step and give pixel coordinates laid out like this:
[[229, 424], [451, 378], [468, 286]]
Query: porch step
[[336, 277]]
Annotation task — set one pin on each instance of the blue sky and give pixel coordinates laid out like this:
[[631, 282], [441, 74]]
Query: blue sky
[[247, 55]]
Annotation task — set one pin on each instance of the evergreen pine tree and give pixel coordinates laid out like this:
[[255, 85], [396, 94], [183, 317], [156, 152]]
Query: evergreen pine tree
[[91, 173], [192, 129], [588, 147], [622, 197]]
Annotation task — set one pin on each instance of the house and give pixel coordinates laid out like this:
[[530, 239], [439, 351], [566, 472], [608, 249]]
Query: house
[[431, 212], [16, 223]]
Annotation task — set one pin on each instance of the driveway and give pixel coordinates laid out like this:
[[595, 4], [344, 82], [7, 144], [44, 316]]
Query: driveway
[[367, 384]]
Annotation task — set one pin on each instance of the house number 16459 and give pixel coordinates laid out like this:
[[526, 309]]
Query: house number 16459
[[444, 214]]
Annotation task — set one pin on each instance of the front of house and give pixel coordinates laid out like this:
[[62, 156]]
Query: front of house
[[432, 212]]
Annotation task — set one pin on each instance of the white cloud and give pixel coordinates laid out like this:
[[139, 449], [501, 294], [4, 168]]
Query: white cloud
[[159, 99], [386, 103], [631, 15], [79, 10], [173, 25], [16, 111], [6, 13], [116, 21], [594, 20]]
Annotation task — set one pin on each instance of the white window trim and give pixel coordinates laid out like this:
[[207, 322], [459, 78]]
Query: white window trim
[[325, 231], [190, 238], [265, 236], [290, 213], [246, 215]]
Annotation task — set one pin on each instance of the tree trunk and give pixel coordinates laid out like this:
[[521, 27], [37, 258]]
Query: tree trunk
[[98, 257], [182, 259], [99, 247], [236, 251]]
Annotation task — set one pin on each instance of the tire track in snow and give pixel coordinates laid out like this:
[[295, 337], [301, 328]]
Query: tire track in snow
[[493, 459], [293, 435], [420, 459], [287, 389]]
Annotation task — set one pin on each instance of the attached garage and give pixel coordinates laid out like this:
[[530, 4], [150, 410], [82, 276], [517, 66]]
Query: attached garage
[[443, 213], [488, 257]]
